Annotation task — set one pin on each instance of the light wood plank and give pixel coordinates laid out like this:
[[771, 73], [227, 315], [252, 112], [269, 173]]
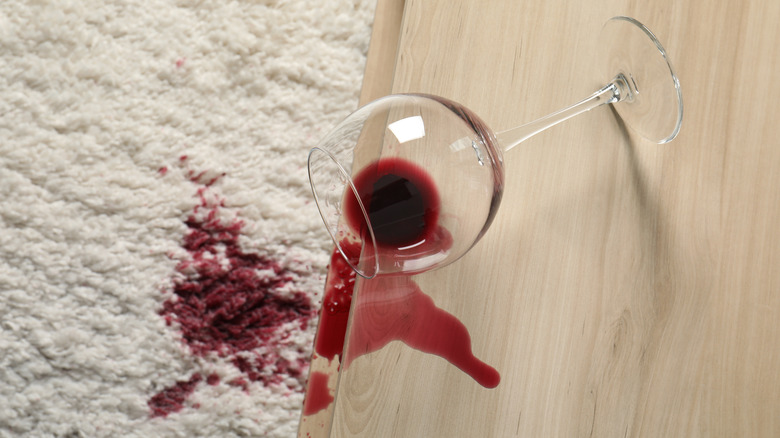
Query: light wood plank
[[380, 62], [625, 289]]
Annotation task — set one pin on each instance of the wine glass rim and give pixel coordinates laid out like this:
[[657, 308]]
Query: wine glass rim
[[362, 209], [665, 56]]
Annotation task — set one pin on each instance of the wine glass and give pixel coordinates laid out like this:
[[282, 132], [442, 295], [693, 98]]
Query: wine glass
[[410, 182]]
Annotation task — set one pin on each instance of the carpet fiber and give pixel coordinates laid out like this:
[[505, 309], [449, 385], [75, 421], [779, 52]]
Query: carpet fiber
[[161, 261]]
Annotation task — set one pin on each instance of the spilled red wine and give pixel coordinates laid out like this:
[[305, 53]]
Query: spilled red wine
[[403, 205], [400, 199], [336, 303], [318, 396], [395, 308]]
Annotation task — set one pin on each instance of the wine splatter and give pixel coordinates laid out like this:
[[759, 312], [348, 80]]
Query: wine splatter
[[172, 399], [237, 305]]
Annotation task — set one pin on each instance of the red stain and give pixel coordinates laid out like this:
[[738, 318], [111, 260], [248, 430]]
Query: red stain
[[212, 379], [240, 382], [318, 397], [223, 303], [180, 62], [336, 302], [238, 305], [171, 399], [162, 171]]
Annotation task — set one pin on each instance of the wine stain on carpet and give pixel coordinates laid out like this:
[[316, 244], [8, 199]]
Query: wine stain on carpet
[[239, 305]]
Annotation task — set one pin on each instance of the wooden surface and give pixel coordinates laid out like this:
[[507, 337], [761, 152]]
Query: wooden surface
[[625, 288], [380, 62]]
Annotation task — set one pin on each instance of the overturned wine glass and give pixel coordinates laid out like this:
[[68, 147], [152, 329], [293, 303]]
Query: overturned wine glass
[[409, 183]]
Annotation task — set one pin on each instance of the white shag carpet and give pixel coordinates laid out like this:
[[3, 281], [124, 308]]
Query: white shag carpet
[[161, 261]]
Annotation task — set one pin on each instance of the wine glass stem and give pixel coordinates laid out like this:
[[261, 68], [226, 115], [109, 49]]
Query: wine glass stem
[[617, 90]]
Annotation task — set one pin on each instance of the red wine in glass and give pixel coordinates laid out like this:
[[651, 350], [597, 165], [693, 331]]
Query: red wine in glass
[[402, 203]]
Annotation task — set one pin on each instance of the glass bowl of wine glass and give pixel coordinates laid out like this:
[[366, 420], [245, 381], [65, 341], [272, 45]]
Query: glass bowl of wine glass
[[410, 182], [407, 183]]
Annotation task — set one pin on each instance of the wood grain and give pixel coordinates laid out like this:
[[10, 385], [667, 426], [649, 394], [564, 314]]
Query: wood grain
[[625, 288], [380, 61]]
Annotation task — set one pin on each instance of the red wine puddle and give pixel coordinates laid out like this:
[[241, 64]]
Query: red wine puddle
[[318, 396], [395, 308]]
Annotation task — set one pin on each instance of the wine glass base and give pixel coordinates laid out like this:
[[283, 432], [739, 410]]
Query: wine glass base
[[651, 99]]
